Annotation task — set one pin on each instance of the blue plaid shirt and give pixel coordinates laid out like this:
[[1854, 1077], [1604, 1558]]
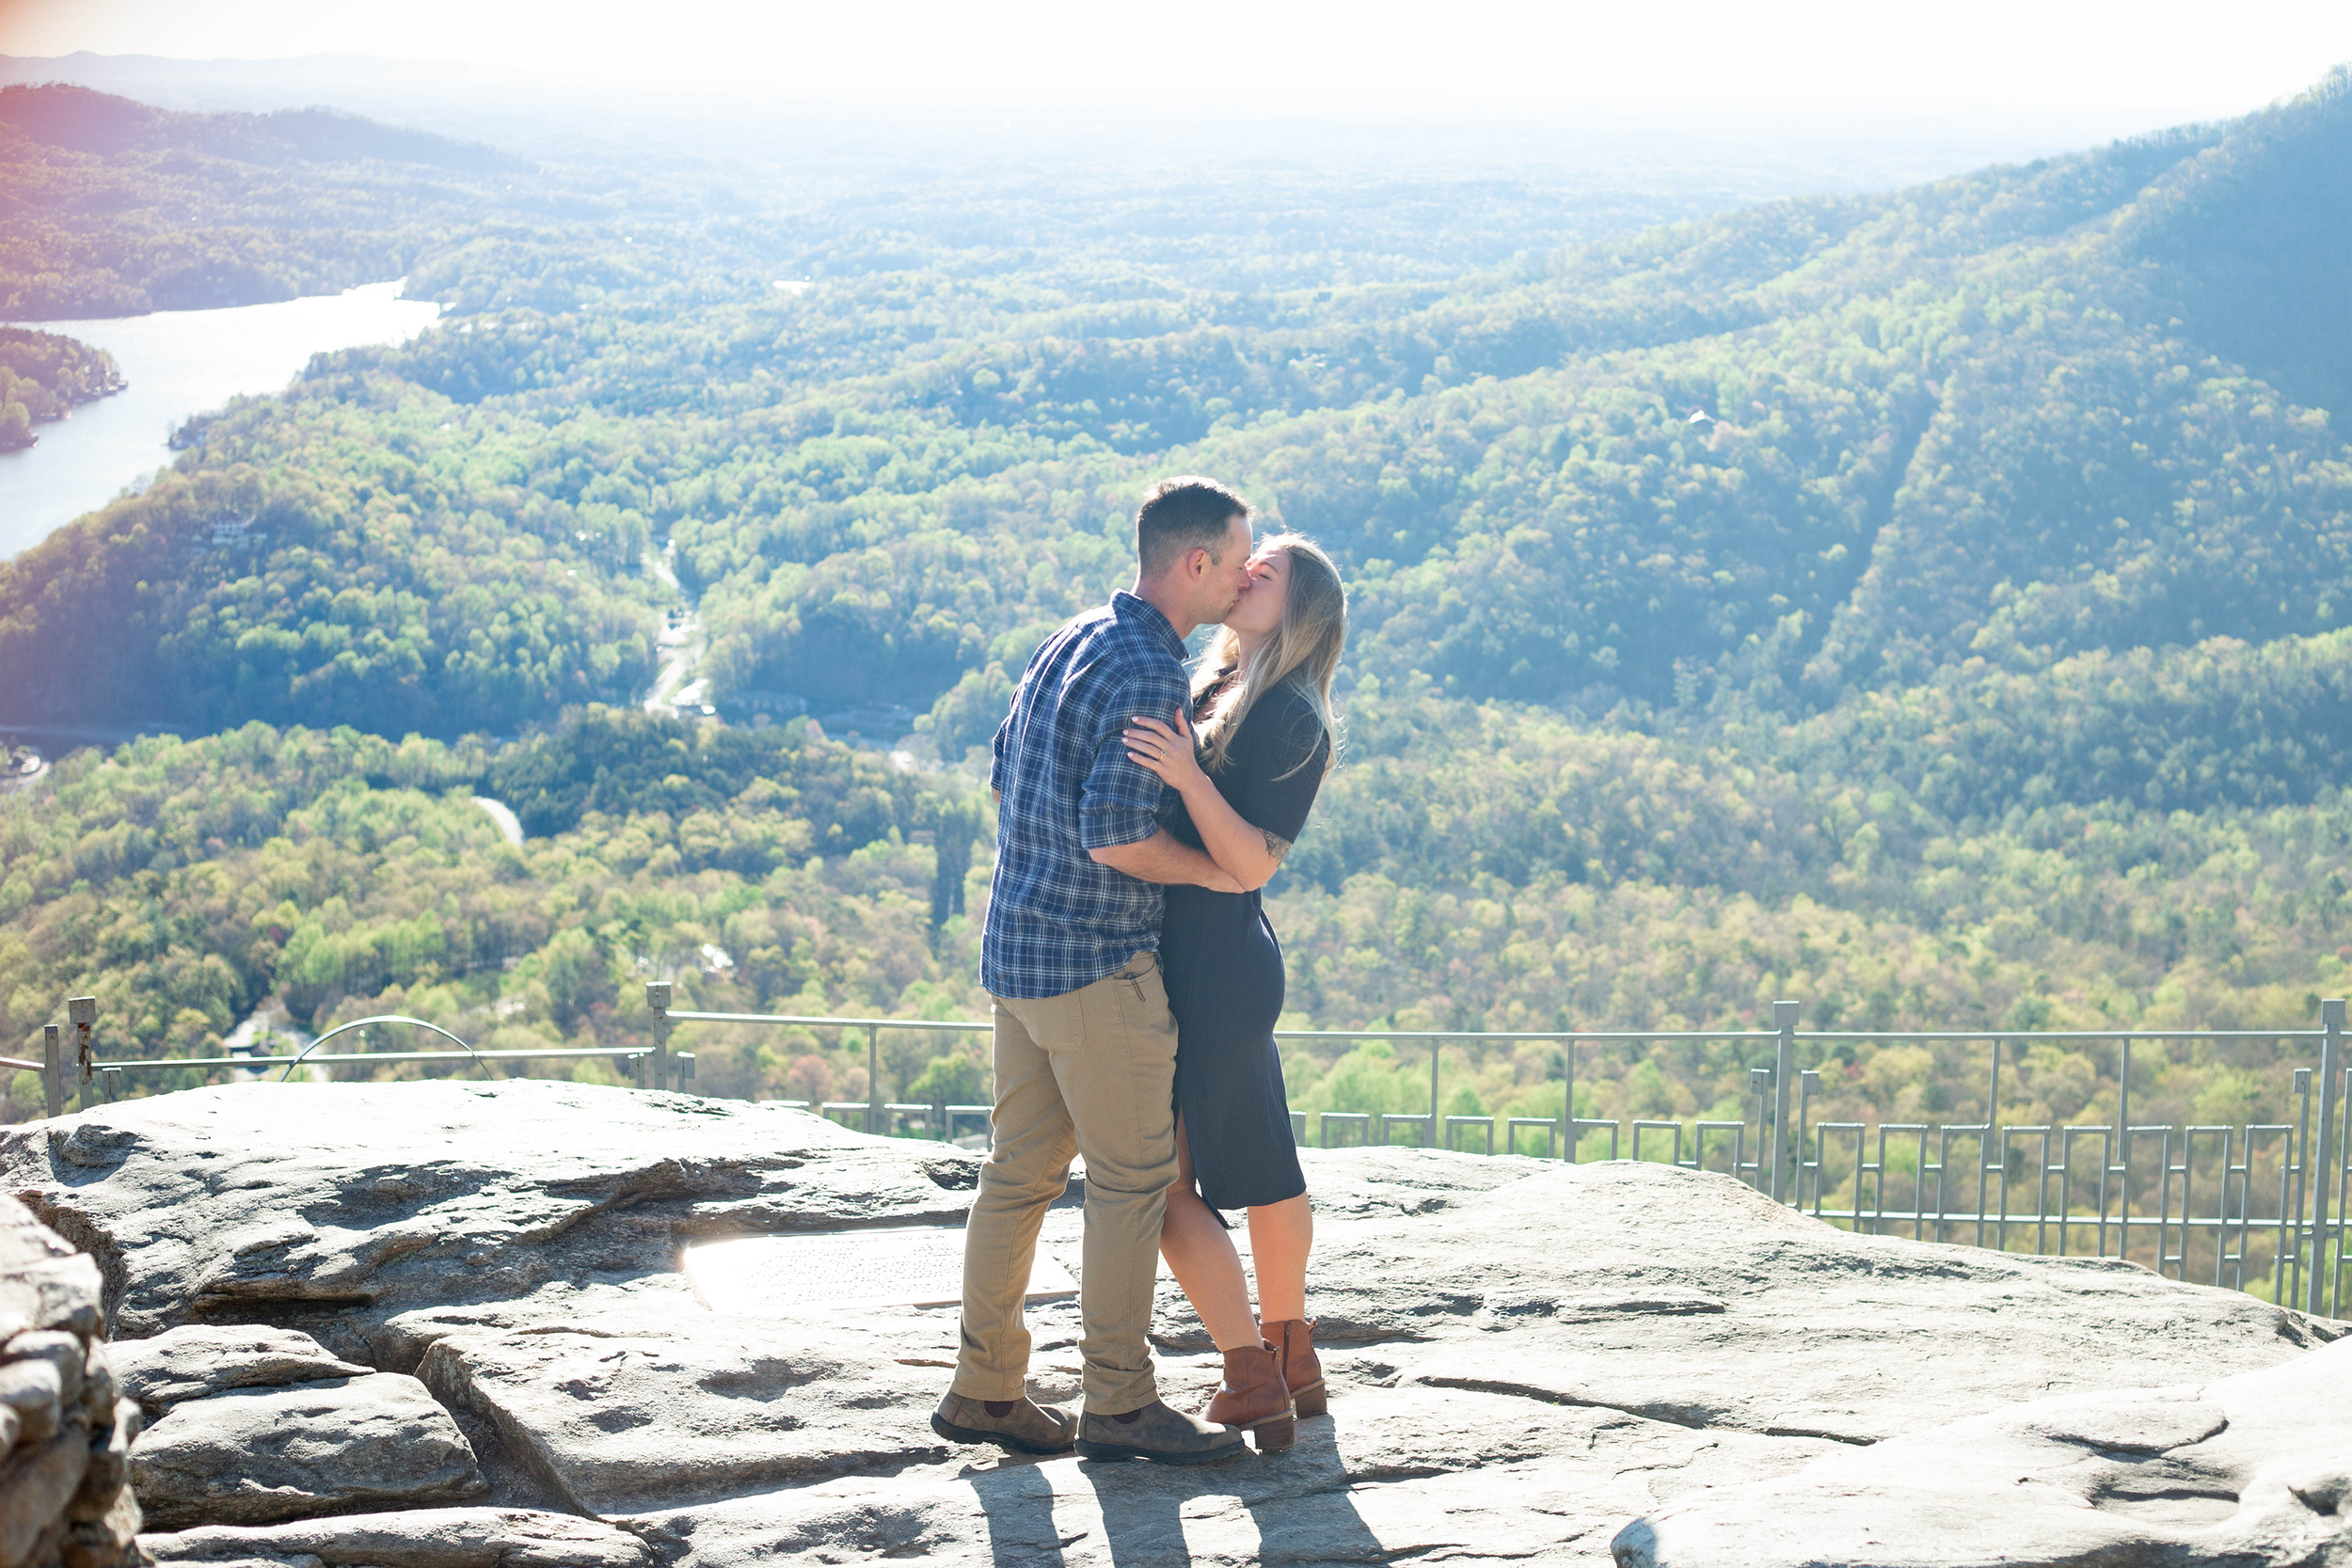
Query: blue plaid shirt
[[1057, 920]]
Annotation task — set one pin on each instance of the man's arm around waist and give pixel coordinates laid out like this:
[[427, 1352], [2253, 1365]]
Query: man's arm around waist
[[1164, 858]]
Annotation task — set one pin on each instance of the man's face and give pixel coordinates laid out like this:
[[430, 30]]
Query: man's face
[[1226, 578]]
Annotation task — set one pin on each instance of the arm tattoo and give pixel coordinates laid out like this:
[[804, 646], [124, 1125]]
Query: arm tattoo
[[1276, 844]]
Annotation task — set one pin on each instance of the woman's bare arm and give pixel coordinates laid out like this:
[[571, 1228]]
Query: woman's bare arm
[[1249, 854]]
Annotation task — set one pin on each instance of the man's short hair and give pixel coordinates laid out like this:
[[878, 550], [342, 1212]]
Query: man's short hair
[[1184, 513]]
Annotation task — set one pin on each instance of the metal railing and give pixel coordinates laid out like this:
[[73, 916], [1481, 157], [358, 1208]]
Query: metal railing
[[98, 1078], [2273, 1194], [2121, 1206]]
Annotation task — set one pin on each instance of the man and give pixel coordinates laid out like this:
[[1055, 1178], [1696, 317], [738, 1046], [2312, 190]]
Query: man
[[1085, 1047]]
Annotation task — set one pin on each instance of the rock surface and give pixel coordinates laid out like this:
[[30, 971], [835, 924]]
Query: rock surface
[[65, 1435], [201, 1358], [260, 1201], [436, 1538], [2255, 1468], [1691, 1299], [1524, 1356], [617, 1410], [1396, 1474], [255, 1455]]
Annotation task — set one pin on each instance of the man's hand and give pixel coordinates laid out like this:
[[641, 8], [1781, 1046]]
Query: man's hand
[[1165, 858]]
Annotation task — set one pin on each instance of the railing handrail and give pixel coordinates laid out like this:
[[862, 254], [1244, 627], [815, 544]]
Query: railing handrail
[[968, 1025], [468, 1055], [311, 1055], [829, 1021]]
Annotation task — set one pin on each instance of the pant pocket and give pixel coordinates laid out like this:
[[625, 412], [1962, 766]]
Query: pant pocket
[[1135, 971]]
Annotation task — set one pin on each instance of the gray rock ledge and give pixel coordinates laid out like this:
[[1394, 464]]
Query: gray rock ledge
[[254, 1456], [438, 1538], [202, 1359], [2254, 1471]]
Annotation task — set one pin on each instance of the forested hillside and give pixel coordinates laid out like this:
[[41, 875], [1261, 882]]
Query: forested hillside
[[43, 378], [113, 208], [338, 874], [1932, 605]]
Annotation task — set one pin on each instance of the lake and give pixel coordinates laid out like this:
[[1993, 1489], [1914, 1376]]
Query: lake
[[179, 363]]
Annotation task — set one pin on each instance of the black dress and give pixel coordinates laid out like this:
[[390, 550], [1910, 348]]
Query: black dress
[[1224, 970]]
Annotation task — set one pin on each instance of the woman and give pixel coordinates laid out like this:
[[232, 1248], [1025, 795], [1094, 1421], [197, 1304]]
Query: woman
[[1246, 770]]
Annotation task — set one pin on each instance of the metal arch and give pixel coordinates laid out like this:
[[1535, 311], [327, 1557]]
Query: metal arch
[[363, 1023]]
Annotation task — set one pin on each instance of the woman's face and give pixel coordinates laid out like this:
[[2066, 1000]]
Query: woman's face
[[1259, 610]]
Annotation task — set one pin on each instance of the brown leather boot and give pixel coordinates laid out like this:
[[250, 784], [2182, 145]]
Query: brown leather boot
[[1022, 1425], [1302, 1373], [1252, 1398], [1157, 1433]]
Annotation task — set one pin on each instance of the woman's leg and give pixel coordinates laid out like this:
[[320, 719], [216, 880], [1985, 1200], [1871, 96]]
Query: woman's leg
[[1203, 1258], [1280, 1236]]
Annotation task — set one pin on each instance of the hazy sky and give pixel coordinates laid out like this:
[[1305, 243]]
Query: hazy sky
[[2154, 60]]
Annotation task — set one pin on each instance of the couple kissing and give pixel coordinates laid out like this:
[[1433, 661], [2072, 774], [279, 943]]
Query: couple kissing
[[1135, 986]]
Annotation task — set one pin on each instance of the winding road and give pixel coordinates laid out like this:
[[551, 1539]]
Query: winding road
[[682, 642]]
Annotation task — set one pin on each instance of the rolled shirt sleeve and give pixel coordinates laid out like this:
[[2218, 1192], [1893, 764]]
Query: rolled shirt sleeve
[[1119, 802]]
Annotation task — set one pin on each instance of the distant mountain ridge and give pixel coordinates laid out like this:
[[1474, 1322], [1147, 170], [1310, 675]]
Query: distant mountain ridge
[[114, 207], [2253, 238], [81, 120]]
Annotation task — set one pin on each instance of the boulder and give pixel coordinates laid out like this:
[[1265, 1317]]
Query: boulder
[[197, 1360], [64, 1435], [2250, 1471], [1524, 1356], [435, 1538], [622, 1409], [342, 1445]]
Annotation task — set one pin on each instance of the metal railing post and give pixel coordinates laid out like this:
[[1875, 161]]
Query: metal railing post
[[82, 1012], [658, 998], [1759, 1090], [2331, 1055], [873, 1078], [1991, 1144], [2291, 1187], [1808, 1080], [52, 1070], [1784, 1062], [2120, 1165], [1567, 1102], [1436, 1047]]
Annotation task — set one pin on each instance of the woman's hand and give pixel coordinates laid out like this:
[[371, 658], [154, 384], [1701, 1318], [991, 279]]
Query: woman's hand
[[1166, 752]]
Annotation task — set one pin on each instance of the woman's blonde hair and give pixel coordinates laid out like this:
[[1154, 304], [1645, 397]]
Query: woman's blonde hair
[[1303, 651]]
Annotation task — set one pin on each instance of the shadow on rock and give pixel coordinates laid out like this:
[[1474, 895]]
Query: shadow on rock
[[1017, 1502], [1295, 1506]]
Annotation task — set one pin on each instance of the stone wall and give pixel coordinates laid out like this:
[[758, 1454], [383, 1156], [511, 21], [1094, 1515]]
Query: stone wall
[[65, 1492]]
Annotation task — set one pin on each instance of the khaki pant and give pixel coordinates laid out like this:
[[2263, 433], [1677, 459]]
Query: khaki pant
[[1091, 1071]]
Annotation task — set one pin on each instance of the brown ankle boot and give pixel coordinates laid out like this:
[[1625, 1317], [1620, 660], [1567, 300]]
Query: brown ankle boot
[[1253, 1398], [1302, 1373]]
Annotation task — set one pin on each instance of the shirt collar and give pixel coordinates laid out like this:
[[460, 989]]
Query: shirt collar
[[1143, 613]]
